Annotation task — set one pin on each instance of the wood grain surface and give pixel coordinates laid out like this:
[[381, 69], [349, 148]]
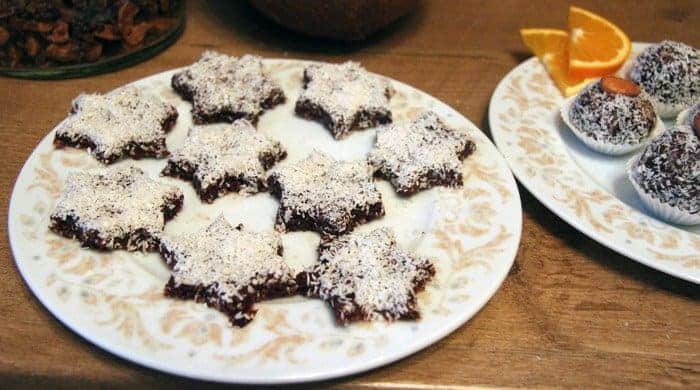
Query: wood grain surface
[[571, 312]]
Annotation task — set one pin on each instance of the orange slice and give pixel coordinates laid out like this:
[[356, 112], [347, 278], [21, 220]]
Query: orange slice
[[552, 48], [596, 46]]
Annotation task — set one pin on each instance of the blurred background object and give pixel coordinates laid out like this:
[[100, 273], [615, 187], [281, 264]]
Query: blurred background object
[[344, 20], [72, 38]]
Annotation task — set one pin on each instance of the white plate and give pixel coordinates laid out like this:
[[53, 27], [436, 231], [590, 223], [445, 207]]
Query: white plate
[[588, 190], [115, 300]]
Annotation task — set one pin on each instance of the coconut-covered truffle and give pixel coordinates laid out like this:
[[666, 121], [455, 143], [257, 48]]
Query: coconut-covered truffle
[[670, 73], [667, 175], [613, 118]]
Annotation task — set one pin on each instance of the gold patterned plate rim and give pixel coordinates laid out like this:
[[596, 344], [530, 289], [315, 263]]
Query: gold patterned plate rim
[[558, 170], [115, 300]]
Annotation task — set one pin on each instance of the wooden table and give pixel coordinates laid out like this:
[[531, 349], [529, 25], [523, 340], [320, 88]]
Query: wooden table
[[571, 312]]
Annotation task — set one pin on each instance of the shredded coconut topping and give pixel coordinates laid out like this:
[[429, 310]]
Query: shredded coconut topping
[[419, 154], [611, 117], [692, 113], [113, 123], [218, 152], [669, 169], [669, 72], [365, 276], [227, 88], [114, 203], [348, 94], [228, 259], [328, 192]]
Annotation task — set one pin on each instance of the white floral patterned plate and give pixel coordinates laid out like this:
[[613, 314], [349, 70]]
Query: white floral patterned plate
[[115, 300], [588, 190]]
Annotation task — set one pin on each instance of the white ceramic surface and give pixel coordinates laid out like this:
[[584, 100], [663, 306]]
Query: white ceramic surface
[[115, 300], [587, 189]]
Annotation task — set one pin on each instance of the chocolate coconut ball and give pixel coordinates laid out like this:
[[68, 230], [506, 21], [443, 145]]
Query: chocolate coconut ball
[[668, 171], [670, 73], [612, 117]]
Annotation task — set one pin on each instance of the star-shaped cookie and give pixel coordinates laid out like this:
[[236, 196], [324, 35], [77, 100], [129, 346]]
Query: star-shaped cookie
[[365, 276], [116, 208], [228, 268], [344, 97], [224, 158], [127, 122], [328, 196], [224, 88], [420, 154]]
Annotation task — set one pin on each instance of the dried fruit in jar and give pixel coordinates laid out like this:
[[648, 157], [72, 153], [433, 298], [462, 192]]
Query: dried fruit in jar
[[41, 33]]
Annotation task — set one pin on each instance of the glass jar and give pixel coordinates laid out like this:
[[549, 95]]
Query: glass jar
[[45, 39]]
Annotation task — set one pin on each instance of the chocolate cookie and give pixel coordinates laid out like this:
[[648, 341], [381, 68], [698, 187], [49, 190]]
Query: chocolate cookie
[[344, 97], [365, 276], [325, 195], [218, 159], [420, 154], [127, 122], [224, 88], [228, 268], [117, 208]]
